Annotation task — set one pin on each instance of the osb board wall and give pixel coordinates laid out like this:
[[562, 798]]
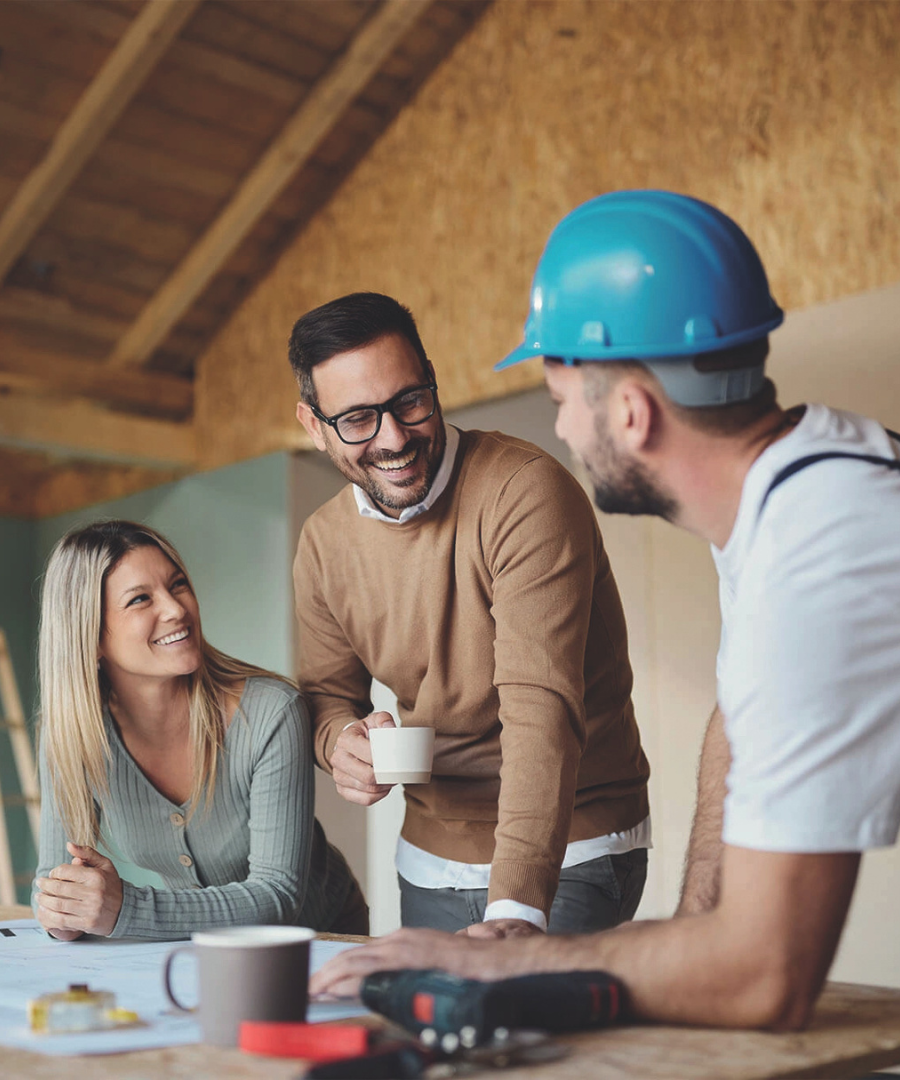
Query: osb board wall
[[786, 115]]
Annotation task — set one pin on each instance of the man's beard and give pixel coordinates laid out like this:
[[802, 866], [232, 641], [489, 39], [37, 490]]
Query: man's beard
[[405, 493], [622, 486]]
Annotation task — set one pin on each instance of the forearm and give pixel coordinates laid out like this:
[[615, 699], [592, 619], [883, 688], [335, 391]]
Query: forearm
[[684, 971], [337, 692], [541, 752], [331, 676], [331, 717], [52, 850], [163, 914], [757, 960], [708, 970], [702, 872]]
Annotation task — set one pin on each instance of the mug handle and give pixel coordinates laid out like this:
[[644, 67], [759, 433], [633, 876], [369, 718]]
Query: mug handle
[[167, 979]]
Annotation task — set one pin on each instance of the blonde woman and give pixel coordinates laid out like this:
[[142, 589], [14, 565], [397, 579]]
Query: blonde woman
[[177, 757]]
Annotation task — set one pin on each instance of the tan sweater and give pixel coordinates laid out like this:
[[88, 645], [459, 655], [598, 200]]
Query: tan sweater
[[495, 619]]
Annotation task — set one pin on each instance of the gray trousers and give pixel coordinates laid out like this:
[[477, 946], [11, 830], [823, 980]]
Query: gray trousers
[[594, 895]]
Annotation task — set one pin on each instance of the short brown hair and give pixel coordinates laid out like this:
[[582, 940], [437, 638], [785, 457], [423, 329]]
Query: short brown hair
[[728, 419]]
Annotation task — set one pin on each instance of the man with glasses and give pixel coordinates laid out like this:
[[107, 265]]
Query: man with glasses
[[441, 571]]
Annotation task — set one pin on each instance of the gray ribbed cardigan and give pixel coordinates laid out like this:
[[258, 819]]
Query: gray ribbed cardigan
[[257, 856]]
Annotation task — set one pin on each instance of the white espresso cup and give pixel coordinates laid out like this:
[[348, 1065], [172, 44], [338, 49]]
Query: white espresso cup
[[402, 755]]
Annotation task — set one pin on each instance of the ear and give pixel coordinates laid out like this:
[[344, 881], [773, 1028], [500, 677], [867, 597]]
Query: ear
[[634, 414], [312, 424]]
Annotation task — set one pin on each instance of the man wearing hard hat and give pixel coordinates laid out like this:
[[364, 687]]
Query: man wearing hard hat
[[652, 312]]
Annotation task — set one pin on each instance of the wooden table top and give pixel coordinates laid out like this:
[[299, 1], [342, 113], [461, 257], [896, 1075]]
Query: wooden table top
[[855, 1029]]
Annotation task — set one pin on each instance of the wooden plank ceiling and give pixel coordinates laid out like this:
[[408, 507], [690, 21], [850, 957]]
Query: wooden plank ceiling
[[155, 158]]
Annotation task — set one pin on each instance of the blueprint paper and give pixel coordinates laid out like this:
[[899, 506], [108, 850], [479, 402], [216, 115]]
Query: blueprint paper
[[31, 964]]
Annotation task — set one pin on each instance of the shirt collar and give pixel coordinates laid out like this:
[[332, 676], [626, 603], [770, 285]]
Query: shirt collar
[[368, 509]]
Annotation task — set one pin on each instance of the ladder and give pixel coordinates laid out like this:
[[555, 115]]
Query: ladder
[[12, 720]]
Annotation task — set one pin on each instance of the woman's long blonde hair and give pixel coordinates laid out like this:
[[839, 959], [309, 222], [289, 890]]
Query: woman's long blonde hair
[[74, 691]]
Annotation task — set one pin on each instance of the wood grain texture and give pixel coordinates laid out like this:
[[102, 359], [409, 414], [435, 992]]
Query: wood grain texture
[[143, 43], [77, 427], [43, 371], [320, 111], [237, 72], [853, 1030], [785, 114], [39, 485]]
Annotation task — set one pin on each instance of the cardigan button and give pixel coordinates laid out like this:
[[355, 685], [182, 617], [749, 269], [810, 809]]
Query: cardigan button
[[176, 819], [185, 860]]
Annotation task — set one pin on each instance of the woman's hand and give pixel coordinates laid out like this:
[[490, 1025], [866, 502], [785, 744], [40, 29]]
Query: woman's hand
[[81, 897]]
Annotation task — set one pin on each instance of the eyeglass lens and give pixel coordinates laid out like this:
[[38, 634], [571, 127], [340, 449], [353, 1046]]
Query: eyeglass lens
[[414, 407]]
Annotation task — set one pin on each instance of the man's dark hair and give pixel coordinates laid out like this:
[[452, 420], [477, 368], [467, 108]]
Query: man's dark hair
[[350, 322]]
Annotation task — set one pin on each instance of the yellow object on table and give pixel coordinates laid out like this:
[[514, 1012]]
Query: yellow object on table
[[77, 1009]]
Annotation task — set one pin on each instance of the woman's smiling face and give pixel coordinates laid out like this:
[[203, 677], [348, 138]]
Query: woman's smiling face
[[151, 619]]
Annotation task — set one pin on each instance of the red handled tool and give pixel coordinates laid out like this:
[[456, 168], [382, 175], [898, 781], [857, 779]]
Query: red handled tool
[[315, 1042]]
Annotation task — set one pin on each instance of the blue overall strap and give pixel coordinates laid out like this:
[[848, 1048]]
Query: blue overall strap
[[801, 463]]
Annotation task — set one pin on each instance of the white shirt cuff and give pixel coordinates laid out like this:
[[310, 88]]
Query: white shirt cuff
[[512, 909]]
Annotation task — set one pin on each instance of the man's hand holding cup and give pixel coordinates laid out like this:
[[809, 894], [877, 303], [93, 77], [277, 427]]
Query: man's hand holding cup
[[351, 761], [371, 755]]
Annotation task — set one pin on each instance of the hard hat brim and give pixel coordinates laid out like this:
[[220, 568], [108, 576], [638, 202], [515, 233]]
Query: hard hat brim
[[523, 352], [591, 353]]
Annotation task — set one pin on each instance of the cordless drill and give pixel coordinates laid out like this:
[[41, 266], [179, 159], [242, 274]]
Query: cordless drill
[[449, 1012]]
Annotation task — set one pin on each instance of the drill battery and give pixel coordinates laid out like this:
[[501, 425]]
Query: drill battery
[[447, 1011]]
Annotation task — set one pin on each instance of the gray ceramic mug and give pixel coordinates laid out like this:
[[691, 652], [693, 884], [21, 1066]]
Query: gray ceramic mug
[[246, 973]]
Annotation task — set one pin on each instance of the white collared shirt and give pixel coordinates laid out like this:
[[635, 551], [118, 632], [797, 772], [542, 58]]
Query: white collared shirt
[[368, 509]]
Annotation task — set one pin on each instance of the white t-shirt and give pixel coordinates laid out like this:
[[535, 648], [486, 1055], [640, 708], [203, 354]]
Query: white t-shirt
[[809, 660]]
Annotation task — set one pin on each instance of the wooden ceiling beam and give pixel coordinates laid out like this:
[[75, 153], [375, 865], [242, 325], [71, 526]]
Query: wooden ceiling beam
[[323, 107], [32, 369], [80, 430], [29, 307], [102, 103]]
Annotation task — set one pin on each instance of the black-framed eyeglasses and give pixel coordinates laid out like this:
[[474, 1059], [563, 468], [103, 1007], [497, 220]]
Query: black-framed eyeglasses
[[409, 408]]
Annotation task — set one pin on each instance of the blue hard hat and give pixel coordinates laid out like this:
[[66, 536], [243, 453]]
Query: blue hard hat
[[651, 276]]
